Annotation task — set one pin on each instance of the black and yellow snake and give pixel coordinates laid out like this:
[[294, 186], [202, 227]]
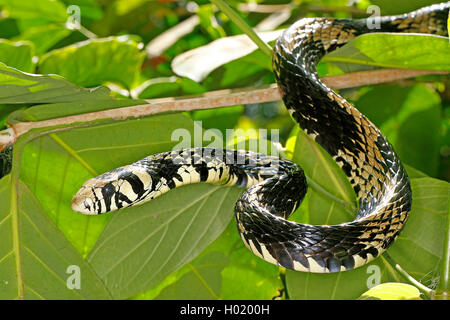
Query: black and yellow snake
[[276, 187]]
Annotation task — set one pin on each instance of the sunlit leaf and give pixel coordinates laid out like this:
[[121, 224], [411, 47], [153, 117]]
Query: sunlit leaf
[[401, 6], [34, 255], [203, 282], [388, 50], [418, 248], [97, 56], [17, 54], [392, 291], [410, 118], [52, 10], [44, 37]]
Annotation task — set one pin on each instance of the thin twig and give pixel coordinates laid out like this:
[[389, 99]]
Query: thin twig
[[210, 100], [422, 288], [244, 27], [443, 289]]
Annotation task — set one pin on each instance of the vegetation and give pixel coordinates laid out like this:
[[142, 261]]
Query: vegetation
[[81, 63]]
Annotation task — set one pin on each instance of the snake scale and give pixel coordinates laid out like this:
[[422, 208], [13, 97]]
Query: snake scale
[[275, 186]]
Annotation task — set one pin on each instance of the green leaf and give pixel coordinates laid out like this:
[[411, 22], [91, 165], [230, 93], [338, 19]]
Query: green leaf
[[335, 286], [139, 249], [246, 276], [401, 6], [208, 21], [388, 50], [17, 87], [419, 247], [44, 37], [322, 172], [167, 87], [35, 256], [392, 291], [52, 10], [93, 62], [62, 162], [203, 282], [17, 54], [63, 98], [220, 119], [410, 118]]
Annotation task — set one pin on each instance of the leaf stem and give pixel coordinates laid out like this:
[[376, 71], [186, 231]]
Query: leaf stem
[[241, 24], [443, 289], [422, 288], [87, 33]]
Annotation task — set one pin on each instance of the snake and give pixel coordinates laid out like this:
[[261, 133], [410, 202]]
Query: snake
[[274, 186]]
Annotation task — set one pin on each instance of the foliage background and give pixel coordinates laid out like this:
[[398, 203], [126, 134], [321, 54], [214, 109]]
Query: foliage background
[[184, 245]]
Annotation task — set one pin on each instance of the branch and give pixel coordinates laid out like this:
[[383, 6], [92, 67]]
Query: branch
[[209, 100]]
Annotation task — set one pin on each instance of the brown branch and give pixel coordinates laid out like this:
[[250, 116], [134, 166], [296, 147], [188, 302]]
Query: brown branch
[[210, 100]]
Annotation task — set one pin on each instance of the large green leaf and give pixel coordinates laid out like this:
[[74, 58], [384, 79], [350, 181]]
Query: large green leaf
[[418, 249], [392, 291], [241, 274], [388, 50], [409, 117], [56, 165], [17, 54], [139, 249], [51, 96], [147, 242], [17, 87], [44, 37], [203, 282], [401, 6], [35, 258], [52, 10], [93, 62], [324, 175]]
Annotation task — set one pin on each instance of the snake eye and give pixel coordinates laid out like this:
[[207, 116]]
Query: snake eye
[[82, 202], [86, 205]]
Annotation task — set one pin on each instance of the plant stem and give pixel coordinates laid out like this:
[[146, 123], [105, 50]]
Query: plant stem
[[214, 99], [443, 289], [87, 33], [237, 20], [424, 289]]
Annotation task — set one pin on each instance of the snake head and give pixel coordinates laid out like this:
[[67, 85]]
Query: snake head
[[95, 195], [115, 189], [88, 200], [82, 201]]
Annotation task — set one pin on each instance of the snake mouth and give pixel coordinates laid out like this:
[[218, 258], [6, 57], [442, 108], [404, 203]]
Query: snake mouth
[[82, 201]]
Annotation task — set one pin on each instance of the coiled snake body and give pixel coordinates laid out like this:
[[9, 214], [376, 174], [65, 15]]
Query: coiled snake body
[[276, 187]]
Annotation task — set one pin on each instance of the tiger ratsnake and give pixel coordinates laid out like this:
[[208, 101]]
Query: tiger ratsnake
[[276, 187]]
